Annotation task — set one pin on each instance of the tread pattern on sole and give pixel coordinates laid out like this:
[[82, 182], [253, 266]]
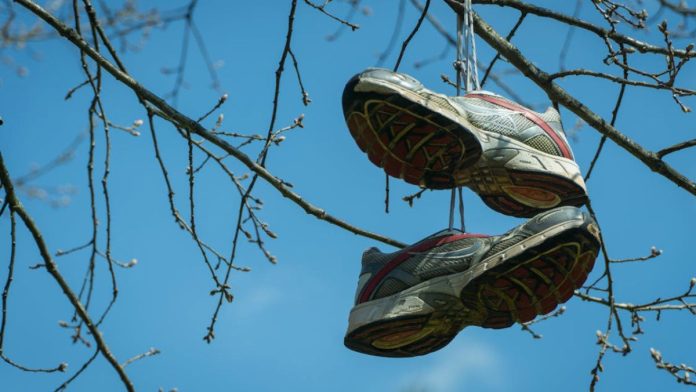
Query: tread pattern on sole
[[409, 336], [525, 193], [547, 277], [410, 141]]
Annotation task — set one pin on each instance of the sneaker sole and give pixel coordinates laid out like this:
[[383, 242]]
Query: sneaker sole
[[409, 140], [522, 182], [420, 138], [528, 279]]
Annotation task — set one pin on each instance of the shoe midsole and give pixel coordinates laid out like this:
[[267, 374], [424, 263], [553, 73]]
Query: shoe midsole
[[408, 302]]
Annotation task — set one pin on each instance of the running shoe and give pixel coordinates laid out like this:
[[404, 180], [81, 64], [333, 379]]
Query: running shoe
[[415, 301], [517, 160]]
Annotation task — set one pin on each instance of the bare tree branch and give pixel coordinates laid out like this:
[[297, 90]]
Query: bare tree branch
[[642, 47], [52, 268], [557, 93], [170, 114]]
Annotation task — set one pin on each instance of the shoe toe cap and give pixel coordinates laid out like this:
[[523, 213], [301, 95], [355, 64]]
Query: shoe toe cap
[[382, 74], [561, 215]]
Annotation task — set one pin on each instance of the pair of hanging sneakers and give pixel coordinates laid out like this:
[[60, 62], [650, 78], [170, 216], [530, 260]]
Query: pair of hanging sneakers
[[415, 301]]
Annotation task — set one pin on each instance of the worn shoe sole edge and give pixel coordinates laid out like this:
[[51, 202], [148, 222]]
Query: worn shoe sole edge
[[452, 147]]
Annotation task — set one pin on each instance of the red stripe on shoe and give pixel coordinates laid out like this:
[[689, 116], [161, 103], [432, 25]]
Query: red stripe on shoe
[[404, 255], [530, 115]]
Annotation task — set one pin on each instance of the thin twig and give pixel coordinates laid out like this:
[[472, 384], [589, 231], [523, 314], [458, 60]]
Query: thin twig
[[410, 36], [321, 8], [5, 295], [52, 268], [149, 353], [557, 93], [676, 147], [511, 34], [642, 47]]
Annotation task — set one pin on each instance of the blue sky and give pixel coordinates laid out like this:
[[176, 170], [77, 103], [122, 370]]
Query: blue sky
[[284, 331]]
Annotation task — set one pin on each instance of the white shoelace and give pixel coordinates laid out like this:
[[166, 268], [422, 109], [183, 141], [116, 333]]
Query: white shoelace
[[467, 69]]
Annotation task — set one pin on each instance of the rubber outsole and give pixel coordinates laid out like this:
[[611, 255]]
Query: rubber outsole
[[410, 141], [546, 277], [525, 193], [530, 284]]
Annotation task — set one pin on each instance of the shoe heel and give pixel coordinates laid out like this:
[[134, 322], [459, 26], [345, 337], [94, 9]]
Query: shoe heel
[[404, 325], [524, 184]]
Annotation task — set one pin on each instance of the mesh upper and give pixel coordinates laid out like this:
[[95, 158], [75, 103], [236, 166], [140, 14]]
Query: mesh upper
[[493, 118], [543, 143], [390, 286], [428, 265], [450, 258], [422, 266], [439, 101]]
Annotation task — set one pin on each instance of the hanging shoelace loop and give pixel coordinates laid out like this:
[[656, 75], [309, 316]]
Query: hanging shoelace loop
[[467, 72], [466, 64]]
